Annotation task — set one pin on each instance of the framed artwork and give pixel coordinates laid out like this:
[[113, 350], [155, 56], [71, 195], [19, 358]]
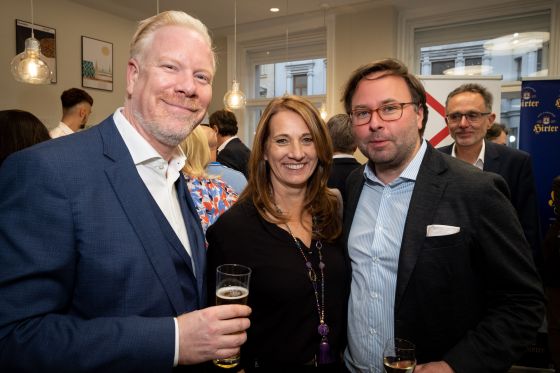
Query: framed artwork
[[97, 64], [46, 37]]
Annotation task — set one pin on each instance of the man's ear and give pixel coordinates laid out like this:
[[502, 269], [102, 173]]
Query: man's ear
[[491, 119], [132, 73]]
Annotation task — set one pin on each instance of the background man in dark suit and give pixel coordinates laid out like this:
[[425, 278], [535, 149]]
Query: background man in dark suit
[[344, 146], [468, 116], [231, 151], [103, 261], [438, 255]]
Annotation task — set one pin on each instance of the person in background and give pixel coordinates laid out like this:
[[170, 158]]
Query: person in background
[[286, 228], [76, 109], [469, 115], [18, 130], [233, 178], [344, 146], [551, 275], [231, 151], [103, 255], [438, 255], [497, 133], [211, 195]]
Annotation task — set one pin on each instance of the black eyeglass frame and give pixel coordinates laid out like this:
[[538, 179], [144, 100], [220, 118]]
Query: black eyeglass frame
[[477, 116]]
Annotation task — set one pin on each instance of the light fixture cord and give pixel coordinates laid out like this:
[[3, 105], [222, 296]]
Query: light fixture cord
[[235, 41], [157, 6], [32, 21], [287, 34]]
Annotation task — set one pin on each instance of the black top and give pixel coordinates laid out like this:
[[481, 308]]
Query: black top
[[341, 168], [284, 317], [235, 155]]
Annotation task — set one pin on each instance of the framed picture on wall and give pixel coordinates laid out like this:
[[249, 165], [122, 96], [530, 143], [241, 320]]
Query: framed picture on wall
[[47, 40], [97, 64]]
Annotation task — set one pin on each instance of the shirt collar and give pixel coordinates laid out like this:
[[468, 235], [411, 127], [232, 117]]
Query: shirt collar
[[342, 156], [409, 173], [479, 160], [221, 147], [65, 129], [139, 148]]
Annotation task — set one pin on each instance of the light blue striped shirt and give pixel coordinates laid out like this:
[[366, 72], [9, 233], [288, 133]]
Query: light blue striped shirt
[[374, 246]]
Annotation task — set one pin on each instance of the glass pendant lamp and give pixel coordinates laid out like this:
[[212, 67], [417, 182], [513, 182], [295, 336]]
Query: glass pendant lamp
[[30, 66], [234, 98]]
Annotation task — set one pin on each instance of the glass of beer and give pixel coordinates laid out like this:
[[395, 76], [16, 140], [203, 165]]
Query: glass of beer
[[399, 356], [232, 287]]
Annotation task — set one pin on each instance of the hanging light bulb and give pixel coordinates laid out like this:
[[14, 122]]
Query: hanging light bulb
[[323, 111], [30, 66], [234, 98]]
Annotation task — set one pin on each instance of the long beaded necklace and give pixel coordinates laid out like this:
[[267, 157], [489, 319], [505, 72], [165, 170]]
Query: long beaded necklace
[[324, 355]]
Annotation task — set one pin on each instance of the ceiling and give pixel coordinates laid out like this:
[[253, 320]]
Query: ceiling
[[218, 14]]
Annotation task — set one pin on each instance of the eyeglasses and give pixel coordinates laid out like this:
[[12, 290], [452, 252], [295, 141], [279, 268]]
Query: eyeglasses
[[387, 112], [471, 116]]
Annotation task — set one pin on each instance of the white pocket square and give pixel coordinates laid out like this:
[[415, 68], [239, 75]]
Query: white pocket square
[[441, 230]]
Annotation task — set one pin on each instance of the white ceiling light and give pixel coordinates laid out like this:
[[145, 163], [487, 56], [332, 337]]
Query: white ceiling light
[[517, 43]]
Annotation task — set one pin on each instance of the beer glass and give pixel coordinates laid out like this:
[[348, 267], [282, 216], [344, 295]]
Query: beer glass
[[399, 356], [232, 287]]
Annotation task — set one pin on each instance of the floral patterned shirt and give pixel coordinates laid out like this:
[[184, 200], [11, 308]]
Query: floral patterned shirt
[[211, 196]]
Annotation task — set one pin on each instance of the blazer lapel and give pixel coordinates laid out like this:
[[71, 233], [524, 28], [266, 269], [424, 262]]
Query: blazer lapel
[[134, 198], [427, 192], [196, 236], [491, 158]]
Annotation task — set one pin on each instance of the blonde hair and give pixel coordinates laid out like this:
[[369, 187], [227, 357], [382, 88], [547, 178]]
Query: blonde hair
[[147, 27], [196, 148]]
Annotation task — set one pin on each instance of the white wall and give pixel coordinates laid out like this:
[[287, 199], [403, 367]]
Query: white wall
[[71, 21]]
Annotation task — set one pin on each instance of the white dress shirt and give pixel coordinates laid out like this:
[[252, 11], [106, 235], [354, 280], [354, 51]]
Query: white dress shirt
[[61, 130], [479, 163]]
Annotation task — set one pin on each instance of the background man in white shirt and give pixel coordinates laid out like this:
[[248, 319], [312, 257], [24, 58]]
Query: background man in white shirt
[[76, 109]]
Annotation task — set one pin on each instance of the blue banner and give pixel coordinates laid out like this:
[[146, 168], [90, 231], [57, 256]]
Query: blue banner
[[539, 135]]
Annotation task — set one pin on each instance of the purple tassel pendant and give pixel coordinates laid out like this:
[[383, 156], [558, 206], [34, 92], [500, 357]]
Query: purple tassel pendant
[[324, 356]]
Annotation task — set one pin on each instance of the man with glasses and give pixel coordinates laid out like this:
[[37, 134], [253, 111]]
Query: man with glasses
[[438, 255], [469, 116]]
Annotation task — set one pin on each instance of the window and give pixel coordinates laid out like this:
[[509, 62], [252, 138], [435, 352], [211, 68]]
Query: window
[[494, 42], [303, 78], [299, 85], [271, 70]]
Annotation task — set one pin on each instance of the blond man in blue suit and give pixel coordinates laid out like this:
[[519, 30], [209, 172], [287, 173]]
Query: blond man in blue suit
[[102, 253]]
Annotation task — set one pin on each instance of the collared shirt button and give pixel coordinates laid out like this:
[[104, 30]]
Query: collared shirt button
[[372, 331], [374, 295]]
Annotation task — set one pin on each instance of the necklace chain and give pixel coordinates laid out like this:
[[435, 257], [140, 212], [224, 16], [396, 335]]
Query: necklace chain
[[324, 355], [313, 276]]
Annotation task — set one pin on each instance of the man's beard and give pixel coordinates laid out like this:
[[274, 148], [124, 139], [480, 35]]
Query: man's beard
[[164, 134]]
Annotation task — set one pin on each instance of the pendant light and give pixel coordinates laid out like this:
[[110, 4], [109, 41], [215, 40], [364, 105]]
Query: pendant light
[[234, 98], [30, 66]]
